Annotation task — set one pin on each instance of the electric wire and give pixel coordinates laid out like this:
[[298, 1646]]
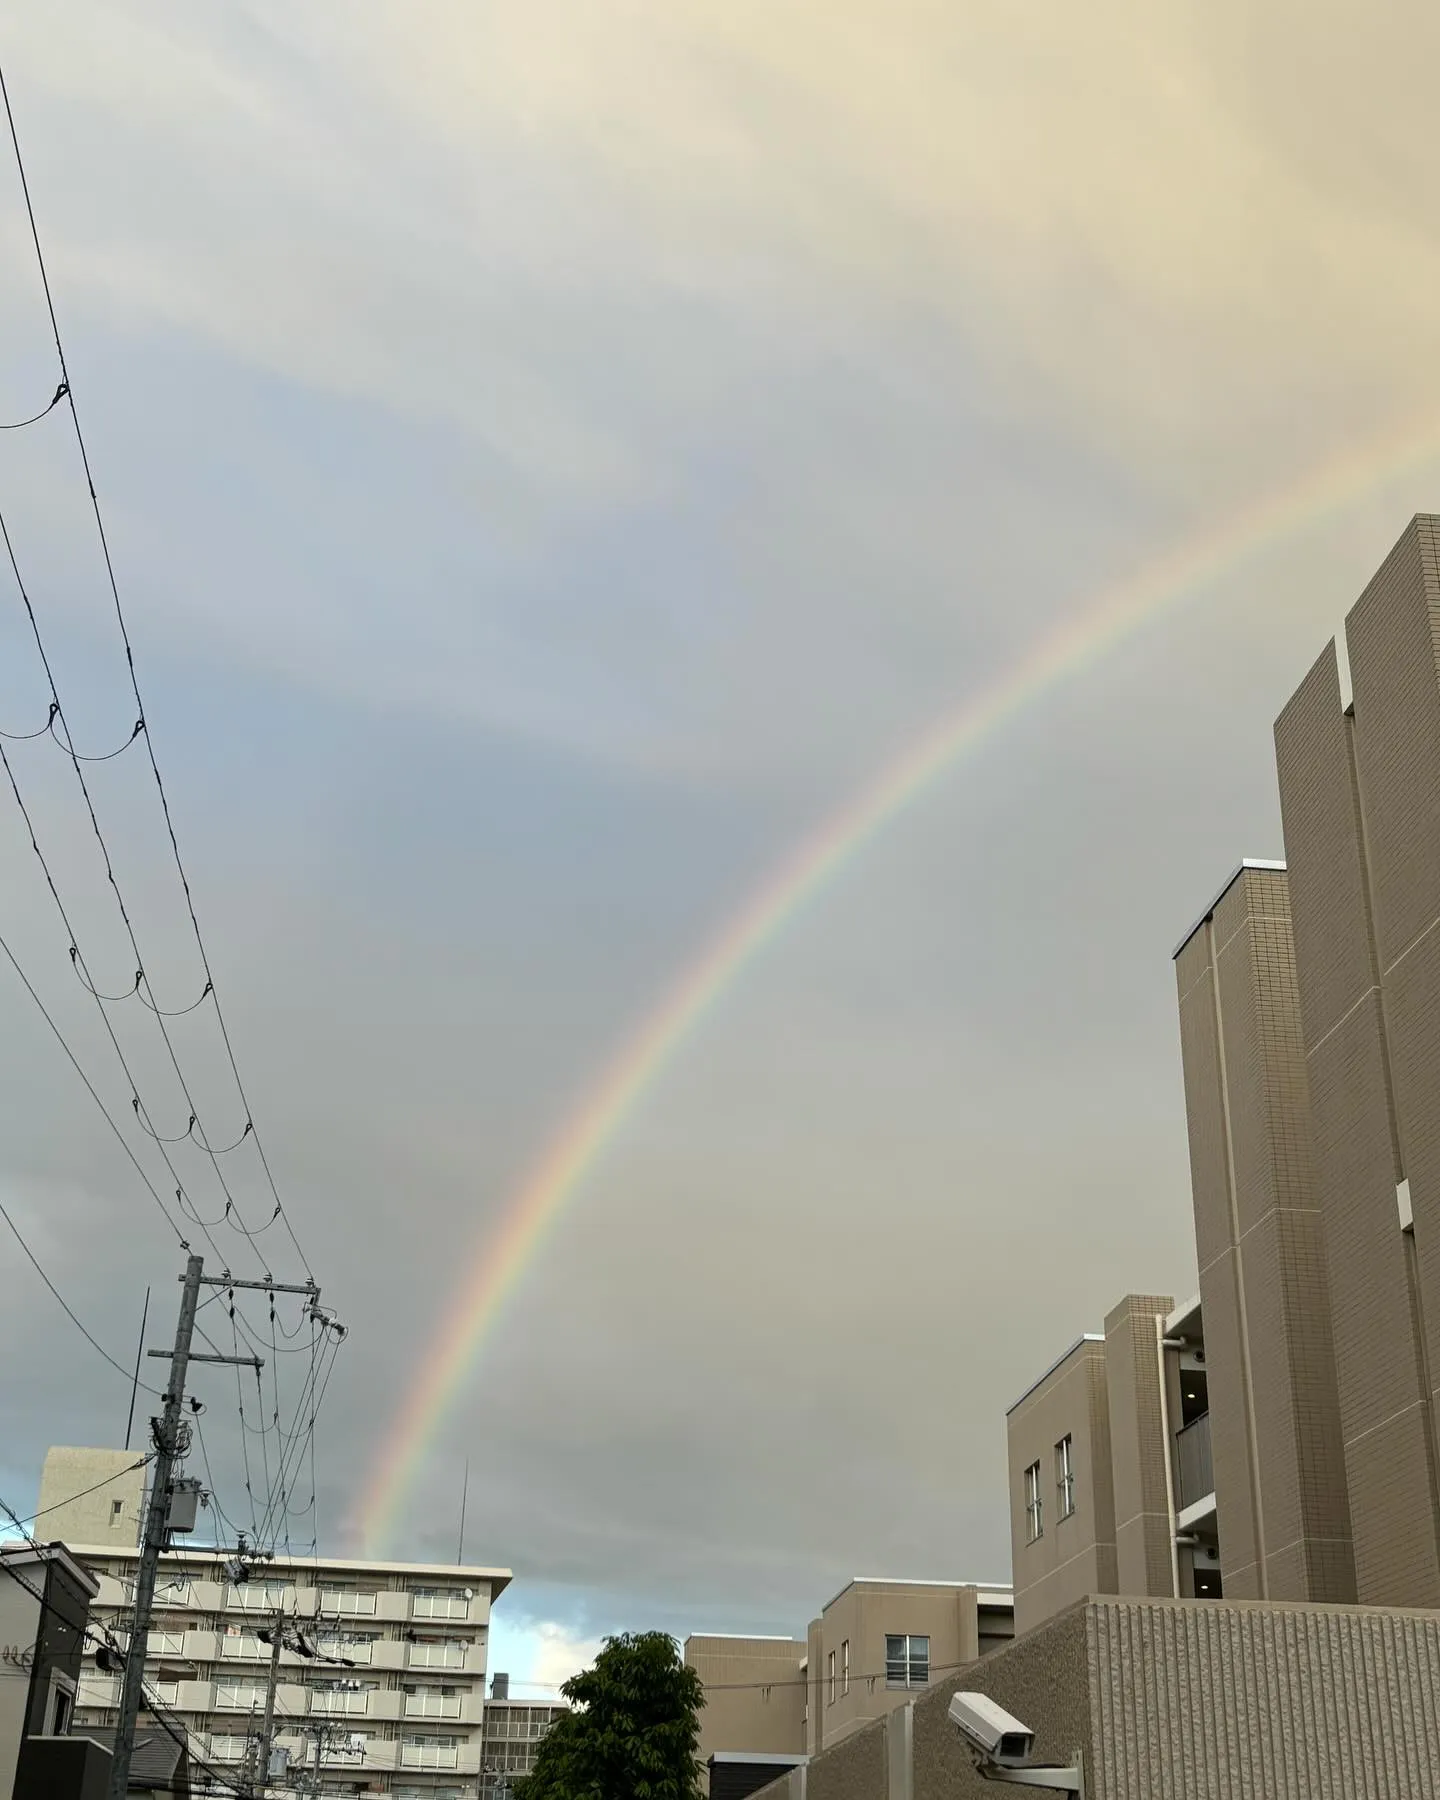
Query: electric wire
[[78, 958], [125, 917], [130, 659], [20, 424], [277, 1481], [65, 1306], [123, 1141]]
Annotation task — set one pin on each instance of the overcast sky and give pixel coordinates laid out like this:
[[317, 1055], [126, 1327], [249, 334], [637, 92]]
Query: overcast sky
[[554, 453]]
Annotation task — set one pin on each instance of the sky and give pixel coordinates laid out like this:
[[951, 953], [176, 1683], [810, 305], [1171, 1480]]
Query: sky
[[553, 456]]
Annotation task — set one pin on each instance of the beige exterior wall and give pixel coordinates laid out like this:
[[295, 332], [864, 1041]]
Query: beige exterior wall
[[1358, 794], [861, 1617], [1105, 1395], [1073, 1555], [1189, 1700], [111, 1514], [754, 1694], [1138, 1445], [1274, 1406]]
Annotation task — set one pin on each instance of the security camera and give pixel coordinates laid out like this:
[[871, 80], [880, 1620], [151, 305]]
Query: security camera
[[1000, 1737]]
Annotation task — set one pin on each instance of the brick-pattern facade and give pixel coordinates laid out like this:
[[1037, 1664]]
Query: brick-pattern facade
[[1189, 1700], [1360, 800], [1138, 1448], [1274, 1407]]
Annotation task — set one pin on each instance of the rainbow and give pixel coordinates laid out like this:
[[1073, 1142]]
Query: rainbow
[[585, 1136]]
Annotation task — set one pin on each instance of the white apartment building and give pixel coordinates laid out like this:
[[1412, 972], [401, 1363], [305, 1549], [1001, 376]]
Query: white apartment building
[[392, 1703], [513, 1730]]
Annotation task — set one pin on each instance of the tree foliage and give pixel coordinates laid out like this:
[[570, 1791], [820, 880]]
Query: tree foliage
[[634, 1730]]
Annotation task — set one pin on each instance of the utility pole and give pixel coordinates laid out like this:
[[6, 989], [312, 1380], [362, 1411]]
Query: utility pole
[[267, 1729], [167, 1435]]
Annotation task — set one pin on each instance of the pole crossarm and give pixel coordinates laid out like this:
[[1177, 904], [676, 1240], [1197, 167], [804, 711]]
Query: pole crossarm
[[244, 1362], [261, 1287]]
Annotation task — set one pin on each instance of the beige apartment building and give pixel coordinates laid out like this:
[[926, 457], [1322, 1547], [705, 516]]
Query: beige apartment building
[[1109, 1466], [1360, 802], [386, 1696], [875, 1644]]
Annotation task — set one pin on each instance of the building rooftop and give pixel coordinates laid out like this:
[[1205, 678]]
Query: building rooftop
[[283, 1564], [1086, 1337], [1249, 862], [988, 1593], [27, 1555]]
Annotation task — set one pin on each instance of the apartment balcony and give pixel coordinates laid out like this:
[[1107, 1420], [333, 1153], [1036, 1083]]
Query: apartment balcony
[[429, 1756], [440, 1606], [1194, 1469], [438, 1656], [336, 1701], [346, 1652], [432, 1706], [345, 1603]]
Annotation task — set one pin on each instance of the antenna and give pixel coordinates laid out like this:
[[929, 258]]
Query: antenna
[[135, 1385]]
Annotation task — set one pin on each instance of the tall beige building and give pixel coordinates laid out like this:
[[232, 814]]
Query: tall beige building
[[1360, 801], [1274, 1409]]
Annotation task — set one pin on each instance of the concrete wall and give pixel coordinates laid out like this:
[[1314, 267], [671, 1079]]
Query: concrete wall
[[19, 1627], [743, 1710], [91, 1518], [863, 1615]]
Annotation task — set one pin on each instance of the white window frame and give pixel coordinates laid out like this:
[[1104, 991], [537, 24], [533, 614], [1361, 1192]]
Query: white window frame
[[844, 1667], [1065, 1476], [830, 1676], [1034, 1505]]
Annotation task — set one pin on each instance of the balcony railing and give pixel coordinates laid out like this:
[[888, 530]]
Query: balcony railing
[[1192, 1456], [343, 1648], [432, 1706], [338, 1700], [346, 1600], [437, 1656], [440, 1606], [429, 1756]]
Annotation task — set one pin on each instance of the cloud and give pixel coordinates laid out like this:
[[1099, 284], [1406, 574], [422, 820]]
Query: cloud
[[539, 1655], [553, 453]]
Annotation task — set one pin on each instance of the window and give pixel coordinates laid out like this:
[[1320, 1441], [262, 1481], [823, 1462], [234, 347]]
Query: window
[[1034, 1516], [845, 1667], [830, 1675], [116, 1508], [907, 1661], [1065, 1476], [62, 1707]]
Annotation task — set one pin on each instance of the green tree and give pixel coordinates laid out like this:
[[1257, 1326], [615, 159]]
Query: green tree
[[634, 1730]]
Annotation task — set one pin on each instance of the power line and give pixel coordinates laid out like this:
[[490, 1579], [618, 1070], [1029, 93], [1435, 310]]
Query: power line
[[130, 666], [76, 957], [64, 1304], [289, 1446], [90, 1087]]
